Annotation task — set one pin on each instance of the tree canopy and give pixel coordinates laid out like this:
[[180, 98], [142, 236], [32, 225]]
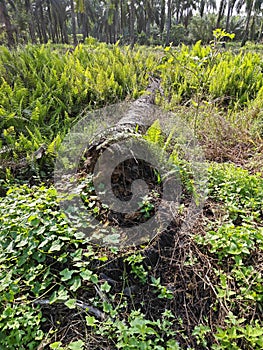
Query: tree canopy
[[143, 21]]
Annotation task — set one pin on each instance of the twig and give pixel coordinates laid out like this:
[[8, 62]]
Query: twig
[[90, 309]]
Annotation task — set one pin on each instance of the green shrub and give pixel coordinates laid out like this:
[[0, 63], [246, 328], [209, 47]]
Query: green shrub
[[203, 72], [43, 89]]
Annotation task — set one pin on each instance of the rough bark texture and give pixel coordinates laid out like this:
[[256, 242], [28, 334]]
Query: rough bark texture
[[4, 16]]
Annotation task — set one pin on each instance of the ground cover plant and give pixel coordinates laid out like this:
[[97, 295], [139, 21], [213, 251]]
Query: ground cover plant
[[201, 289], [43, 90]]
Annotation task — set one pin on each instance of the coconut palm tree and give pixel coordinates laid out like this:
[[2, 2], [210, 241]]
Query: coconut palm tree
[[252, 7], [205, 5]]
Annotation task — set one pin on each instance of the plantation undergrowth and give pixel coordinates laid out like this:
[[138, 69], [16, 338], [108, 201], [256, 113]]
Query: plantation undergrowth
[[201, 289]]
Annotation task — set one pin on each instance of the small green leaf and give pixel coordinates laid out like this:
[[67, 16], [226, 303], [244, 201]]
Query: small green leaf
[[56, 246], [105, 287], [103, 258], [56, 346], [86, 275], [67, 274], [71, 303], [76, 345], [76, 284], [90, 321]]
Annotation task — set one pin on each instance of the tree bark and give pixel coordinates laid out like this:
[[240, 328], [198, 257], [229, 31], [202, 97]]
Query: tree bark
[[148, 19], [162, 22], [73, 20], [169, 22], [51, 24], [132, 24], [231, 4], [246, 30], [260, 33], [30, 19], [221, 11], [84, 25], [43, 24], [7, 22], [202, 8]]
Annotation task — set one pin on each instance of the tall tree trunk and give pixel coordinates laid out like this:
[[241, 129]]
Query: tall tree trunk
[[221, 11], [246, 30], [148, 18], [51, 24], [43, 24], [30, 19], [39, 32], [260, 32], [162, 21], [64, 33], [116, 21], [231, 4], [7, 22], [252, 31], [141, 27], [84, 25], [73, 20], [168, 22], [132, 23], [57, 35], [202, 8], [228, 15], [123, 22]]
